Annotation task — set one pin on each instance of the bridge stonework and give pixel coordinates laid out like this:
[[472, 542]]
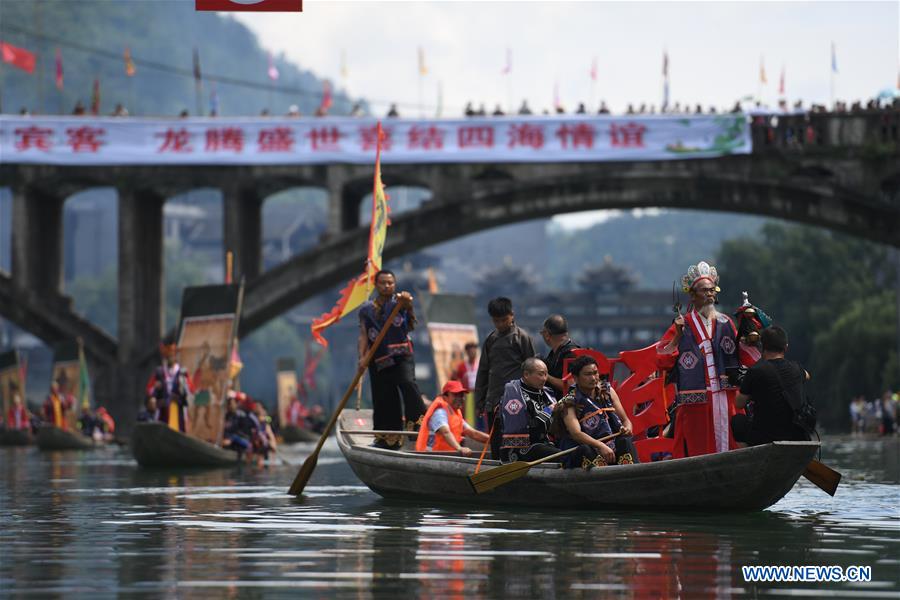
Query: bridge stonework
[[841, 172]]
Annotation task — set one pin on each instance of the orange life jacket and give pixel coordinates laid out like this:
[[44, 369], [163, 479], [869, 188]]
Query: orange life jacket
[[455, 421]]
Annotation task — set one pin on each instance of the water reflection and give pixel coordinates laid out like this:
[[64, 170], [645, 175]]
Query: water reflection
[[92, 523]]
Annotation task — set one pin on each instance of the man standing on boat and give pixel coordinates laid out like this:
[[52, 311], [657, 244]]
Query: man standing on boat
[[57, 406], [556, 335], [502, 355], [171, 386], [392, 372], [699, 347]]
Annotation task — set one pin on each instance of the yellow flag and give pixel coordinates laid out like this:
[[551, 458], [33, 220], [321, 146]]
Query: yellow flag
[[423, 70], [359, 289]]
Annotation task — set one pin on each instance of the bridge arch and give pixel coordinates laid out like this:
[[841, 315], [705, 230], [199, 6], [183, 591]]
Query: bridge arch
[[335, 261]]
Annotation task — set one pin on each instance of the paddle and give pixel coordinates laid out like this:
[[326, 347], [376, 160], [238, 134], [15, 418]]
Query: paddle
[[309, 465], [826, 478], [488, 480], [283, 460]]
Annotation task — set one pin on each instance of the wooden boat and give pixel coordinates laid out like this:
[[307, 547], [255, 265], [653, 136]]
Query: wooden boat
[[748, 479], [50, 437], [158, 445], [293, 434], [15, 437]]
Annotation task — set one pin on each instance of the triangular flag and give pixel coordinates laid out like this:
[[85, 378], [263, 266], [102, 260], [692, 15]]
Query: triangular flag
[[59, 70], [130, 69], [17, 57], [359, 289], [273, 70], [423, 70]]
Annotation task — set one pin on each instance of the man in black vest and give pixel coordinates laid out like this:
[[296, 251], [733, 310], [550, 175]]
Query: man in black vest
[[556, 335], [776, 387]]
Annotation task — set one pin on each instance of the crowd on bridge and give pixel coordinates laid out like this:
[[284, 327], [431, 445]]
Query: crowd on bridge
[[878, 104]]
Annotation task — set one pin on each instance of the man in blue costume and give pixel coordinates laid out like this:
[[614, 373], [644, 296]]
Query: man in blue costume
[[590, 412], [392, 372], [526, 408]]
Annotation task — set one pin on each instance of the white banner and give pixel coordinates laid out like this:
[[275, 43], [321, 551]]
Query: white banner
[[270, 141]]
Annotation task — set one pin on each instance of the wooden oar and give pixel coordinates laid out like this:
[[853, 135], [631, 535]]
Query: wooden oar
[[488, 480], [823, 476], [309, 465]]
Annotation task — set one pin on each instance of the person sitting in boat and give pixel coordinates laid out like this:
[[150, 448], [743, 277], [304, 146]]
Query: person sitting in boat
[[17, 416], [87, 424], [57, 406], [236, 434], [775, 385], [149, 413], [588, 413], [316, 418], [265, 437], [170, 384], [526, 408], [297, 413], [444, 426]]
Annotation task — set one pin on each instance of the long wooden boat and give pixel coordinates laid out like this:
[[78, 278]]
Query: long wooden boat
[[15, 437], [158, 445], [50, 437], [748, 479], [293, 434]]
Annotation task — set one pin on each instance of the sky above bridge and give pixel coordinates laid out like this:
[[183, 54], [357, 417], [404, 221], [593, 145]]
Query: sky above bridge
[[715, 51]]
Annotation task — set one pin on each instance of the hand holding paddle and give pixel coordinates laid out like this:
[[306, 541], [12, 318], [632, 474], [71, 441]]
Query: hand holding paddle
[[404, 301], [488, 480]]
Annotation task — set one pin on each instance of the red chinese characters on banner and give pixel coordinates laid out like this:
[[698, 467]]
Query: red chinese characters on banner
[[39, 138], [425, 138], [576, 136], [526, 136], [85, 139], [325, 138], [175, 140], [476, 137], [227, 138], [277, 139], [368, 138], [630, 135]]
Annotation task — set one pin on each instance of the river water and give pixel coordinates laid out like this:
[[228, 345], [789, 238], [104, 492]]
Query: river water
[[93, 524]]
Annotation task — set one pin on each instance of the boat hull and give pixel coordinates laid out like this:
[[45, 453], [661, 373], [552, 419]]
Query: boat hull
[[15, 437], [158, 445], [293, 435], [50, 437], [748, 479]]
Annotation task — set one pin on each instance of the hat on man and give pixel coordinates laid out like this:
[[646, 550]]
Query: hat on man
[[453, 387]]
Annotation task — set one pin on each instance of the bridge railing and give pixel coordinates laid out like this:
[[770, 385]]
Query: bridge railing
[[875, 131]]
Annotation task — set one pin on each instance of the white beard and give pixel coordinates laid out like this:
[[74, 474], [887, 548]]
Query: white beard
[[708, 310]]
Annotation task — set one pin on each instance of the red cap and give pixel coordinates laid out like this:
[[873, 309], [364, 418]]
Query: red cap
[[454, 387]]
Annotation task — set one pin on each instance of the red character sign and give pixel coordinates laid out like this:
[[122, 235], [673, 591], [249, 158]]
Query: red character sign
[[325, 138], [526, 136], [227, 138], [278, 139], [369, 138], [85, 139], [476, 137], [175, 140], [630, 135], [425, 138], [576, 136], [33, 137]]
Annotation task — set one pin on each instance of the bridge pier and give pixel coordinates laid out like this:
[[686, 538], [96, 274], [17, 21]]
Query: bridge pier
[[242, 229], [141, 293], [37, 241]]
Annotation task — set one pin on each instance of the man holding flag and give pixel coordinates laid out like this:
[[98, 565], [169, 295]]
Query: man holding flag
[[393, 369]]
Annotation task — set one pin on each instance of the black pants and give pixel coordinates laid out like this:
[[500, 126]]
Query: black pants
[[624, 449], [395, 393], [744, 431]]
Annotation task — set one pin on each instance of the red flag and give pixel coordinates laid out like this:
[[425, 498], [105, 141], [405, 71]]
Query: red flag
[[17, 57], [95, 98], [244, 5], [273, 70], [327, 99], [309, 369], [781, 82], [59, 70]]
